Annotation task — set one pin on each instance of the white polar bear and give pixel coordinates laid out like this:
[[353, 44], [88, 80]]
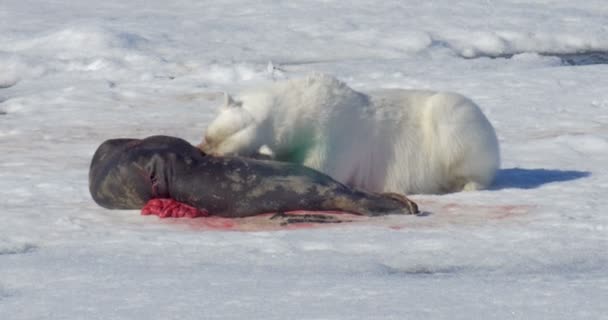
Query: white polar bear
[[393, 140]]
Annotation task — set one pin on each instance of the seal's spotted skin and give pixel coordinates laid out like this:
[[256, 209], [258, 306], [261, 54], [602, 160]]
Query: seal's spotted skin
[[127, 173]]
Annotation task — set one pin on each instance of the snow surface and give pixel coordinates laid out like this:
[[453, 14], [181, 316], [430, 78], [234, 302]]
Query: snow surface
[[76, 72]]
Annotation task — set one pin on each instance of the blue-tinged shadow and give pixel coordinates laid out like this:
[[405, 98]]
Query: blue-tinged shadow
[[533, 178]]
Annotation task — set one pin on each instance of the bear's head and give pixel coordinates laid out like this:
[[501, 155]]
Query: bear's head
[[235, 131]]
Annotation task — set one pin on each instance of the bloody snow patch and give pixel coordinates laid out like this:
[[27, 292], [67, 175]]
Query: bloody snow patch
[[434, 214], [269, 221], [169, 208], [447, 213]]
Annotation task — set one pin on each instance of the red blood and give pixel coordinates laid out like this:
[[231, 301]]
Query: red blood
[[169, 208], [219, 223]]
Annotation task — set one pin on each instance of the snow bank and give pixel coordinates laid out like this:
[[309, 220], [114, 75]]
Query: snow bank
[[107, 53], [506, 43]]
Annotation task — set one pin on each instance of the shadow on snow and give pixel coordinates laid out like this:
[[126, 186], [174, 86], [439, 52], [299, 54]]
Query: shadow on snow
[[533, 178]]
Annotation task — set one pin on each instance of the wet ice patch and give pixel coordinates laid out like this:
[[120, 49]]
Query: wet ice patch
[[568, 49], [542, 58], [584, 58], [422, 269]]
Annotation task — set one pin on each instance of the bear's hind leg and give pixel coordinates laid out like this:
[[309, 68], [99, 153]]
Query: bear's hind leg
[[458, 184]]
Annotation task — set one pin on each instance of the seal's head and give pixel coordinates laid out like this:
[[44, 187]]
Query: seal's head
[[115, 182]]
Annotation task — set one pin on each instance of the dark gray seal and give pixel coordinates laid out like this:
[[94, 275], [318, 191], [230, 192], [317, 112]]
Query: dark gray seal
[[126, 173]]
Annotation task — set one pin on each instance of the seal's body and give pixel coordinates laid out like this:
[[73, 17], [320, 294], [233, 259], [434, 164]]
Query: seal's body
[[126, 173], [392, 140]]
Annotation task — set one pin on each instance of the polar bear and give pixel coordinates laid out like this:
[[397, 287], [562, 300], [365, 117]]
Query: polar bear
[[392, 140]]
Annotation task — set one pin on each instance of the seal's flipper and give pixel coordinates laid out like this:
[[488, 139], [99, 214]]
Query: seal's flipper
[[411, 205], [306, 218]]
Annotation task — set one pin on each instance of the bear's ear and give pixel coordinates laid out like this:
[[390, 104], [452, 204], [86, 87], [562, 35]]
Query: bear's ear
[[230, 102]]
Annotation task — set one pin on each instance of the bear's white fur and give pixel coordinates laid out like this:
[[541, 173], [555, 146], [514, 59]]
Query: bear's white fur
[[394, 140]]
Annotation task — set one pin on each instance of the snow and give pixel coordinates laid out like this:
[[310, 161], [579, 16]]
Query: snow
[[74, 73]]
